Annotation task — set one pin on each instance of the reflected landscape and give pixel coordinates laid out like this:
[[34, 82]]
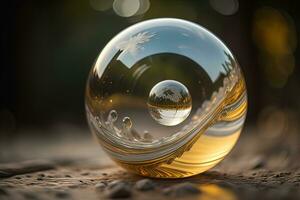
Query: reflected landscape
[[169, 102]]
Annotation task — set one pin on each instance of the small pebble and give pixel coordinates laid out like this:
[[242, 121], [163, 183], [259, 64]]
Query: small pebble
[[182, 189], [117, 182], [282, 182], [3, 192], [145, 185], [277, 175], [227, 185], [4, 174], [281, 174], [30, 196], [73, 186], [85, 173], [48, 190], [62, 194], [119, 191], [100, 185], [260, 164]]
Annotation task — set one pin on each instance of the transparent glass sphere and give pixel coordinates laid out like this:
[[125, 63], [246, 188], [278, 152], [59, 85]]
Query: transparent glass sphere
[[166, 98], [169, 102]]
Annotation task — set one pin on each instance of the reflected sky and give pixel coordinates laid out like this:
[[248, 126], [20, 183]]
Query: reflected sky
[[166, 36]]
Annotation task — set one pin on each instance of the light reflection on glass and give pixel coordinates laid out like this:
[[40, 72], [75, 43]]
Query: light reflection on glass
[[183, 44]]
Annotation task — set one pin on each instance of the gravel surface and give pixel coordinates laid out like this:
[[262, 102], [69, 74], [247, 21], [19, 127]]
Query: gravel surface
[[257, 169]]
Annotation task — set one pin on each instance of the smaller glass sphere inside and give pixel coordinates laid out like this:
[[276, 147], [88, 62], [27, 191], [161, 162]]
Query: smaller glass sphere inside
[[169, 102]]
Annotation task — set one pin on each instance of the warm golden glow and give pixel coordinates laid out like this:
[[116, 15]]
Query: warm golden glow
[[215, 192], [275, 36]]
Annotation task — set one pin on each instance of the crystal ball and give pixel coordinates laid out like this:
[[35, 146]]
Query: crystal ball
[[166, 98]]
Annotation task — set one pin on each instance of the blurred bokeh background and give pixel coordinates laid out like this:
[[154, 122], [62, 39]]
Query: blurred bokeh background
[[48, 48]]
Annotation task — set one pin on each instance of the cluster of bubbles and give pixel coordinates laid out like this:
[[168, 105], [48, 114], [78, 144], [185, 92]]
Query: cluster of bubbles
[[125, 132]]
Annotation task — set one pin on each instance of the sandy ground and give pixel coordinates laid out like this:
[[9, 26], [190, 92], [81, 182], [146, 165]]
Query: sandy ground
[[70, 165]]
